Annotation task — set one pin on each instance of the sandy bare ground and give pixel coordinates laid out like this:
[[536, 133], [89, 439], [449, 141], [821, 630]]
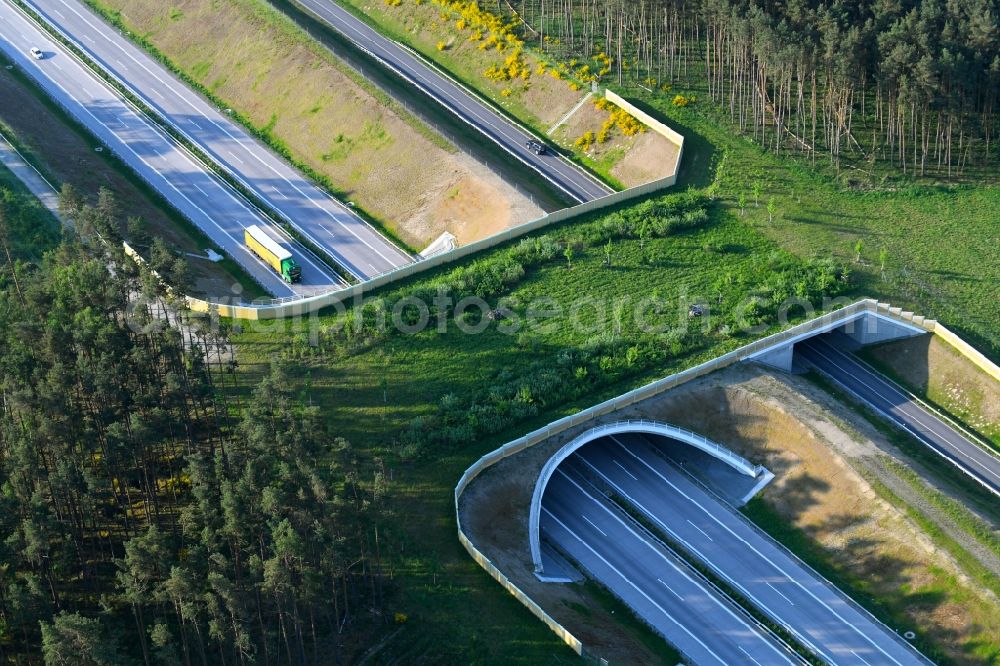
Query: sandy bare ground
[[541, 100], [377, 155], [467, 205], [650, 157], [636, 159], [823, 455]]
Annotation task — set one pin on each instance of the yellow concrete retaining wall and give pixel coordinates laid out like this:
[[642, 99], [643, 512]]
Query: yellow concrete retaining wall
[[649, 121], [484, 562], [943, 332], [968, 351]]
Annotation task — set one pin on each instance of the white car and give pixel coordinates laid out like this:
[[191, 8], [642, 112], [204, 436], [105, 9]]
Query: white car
[[36, 53]]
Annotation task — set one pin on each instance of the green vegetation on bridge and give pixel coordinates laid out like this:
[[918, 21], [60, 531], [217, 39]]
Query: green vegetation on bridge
[[416, 409]]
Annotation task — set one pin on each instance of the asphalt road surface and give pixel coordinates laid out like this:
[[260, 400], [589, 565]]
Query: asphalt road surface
[[661, 590], [572, 180], [819, 616], [902, 410], [30, 177], [201, 196], [326, 223]]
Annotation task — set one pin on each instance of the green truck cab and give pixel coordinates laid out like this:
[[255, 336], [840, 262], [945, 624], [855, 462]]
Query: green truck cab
[[272, 253]]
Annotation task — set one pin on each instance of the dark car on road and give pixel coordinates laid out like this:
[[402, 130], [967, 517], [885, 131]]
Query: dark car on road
[[537, 147]]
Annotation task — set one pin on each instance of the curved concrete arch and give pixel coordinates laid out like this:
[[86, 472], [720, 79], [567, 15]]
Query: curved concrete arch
[[650, 427]]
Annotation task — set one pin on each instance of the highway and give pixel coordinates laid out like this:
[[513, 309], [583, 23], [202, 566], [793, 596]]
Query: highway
[[661, 590], [322, 220], [567, 177], [881, 394], [820, 617], [201, 196]]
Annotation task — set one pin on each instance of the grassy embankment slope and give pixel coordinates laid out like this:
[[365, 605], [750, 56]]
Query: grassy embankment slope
[[938, 373], [536, 90], [329, 121]]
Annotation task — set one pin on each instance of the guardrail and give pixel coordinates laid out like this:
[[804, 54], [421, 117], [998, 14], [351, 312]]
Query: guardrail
[[108, 138], [818, 576], [256, 201], [846, 313], [688, 562], [967, 350]]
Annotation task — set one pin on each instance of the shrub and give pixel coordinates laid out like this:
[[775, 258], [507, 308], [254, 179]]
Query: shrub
[[586, 141]]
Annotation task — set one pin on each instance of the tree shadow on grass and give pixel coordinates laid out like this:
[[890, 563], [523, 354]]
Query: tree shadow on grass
[[799, 493], [826, 224], [866, 568]]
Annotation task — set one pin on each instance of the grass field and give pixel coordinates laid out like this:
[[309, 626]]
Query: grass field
[[939, 241], [372, 394]]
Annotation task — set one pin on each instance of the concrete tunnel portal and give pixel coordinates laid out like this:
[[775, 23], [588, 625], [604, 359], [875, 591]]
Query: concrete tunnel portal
[[865, 328], [668, 434]]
